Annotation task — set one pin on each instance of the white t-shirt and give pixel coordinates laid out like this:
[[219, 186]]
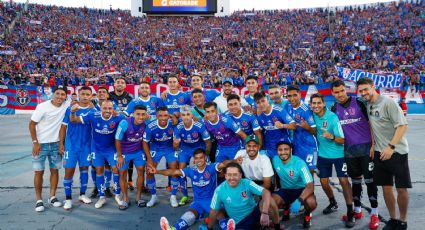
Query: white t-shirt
[[222, 103], [255, 169], [49, 119]]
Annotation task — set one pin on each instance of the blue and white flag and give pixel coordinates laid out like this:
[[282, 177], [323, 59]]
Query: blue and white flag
[[380, 80]]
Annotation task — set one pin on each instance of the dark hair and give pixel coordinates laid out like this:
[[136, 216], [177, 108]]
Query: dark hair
[[317, 95], [210, 104], [251, 77], [196, 91], [199, 151], [233, 165], [293, 87], [283, 143], [337, 83], [197, 75], [61, 88], [102, 87], [365, 81], [122, 78], [233, 97], [140, 107], [161, 108], [274, 87], [74, 94], [145, 83], [172, 76], [259, 95], [84, 88]]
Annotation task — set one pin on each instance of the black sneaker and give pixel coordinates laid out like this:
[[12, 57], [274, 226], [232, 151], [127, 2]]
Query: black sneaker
[[401, 225], [351, 221], [108, 193], [307, 221], [392, 224], [131, 185], [94, 193], [330, 209]]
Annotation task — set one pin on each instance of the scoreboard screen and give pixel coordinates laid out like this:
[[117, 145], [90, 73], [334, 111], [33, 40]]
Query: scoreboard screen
[[180, 6]]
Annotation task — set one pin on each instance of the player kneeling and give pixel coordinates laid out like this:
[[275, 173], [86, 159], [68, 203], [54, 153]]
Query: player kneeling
[[204, 180], [296, 182]]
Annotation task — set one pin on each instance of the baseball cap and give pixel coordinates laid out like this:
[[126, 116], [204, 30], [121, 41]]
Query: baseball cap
[[252, 138], [227, 79]]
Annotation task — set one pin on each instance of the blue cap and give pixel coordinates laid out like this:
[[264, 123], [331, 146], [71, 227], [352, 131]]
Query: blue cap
[[227, 79]]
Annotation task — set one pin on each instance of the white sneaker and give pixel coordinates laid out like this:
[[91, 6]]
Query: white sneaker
[[173, 201], [53, 201], [152, 201], [164, 224], [83, 198], [67, 205], [100, 202], [39, 206], [118, 199]]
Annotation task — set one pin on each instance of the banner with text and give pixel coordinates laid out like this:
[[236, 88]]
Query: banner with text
[[392, 80]]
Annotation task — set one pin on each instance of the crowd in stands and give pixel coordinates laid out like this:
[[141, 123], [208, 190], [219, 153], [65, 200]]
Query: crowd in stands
[[81, 46]]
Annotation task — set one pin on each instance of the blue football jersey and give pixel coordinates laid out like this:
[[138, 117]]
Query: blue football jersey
[[159, 138], [78, 136], [246, 121], [175, 101], [192, 137], [203, 183], [151, 104], [301, 136]]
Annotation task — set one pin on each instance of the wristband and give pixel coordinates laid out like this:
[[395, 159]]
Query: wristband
[[333, 137], [391, 146], [265, 213]]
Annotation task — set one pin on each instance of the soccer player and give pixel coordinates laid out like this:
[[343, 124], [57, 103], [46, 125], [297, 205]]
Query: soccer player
[[189, 135], [331, 153], [44, 129], [246, 121], [119, 96], [151, 102], [236, 195], [102, 97], [305, 143], [128, 142], [352, 114], [158, 143], [196, 83], [255, 165], [221, 100], [227, 133], [103, 127], [275, 94], [175, 99], [203, 176], [251, 83], [275, 122], [198, 100], [390, 152], [75, 139], [296, 183]]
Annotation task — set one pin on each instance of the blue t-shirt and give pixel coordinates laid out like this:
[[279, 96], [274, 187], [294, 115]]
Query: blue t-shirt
[[246, 121], [78, 136], [103, 131], [203, 183], [302, 138], [294, 174], [238, 202], [327, 147], [159, 138], [192, 137], [273, 135], [151, 104], [175, 101]]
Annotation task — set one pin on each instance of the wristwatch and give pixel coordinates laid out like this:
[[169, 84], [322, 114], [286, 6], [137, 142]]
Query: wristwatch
[[34, 141], [391, 146]]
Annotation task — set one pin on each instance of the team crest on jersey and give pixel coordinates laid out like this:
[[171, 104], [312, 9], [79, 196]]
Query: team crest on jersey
[[195, 135], [153, 104], [244, 194], [207, 175], [297, 117], [170, 131], [124, 101], [22, 97], [325, 124], [112, 125], [291, 173], [181, 99], [275, 119], [244, 123], [222, 128]]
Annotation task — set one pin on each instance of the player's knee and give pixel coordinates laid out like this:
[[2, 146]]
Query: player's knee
[[311, 203], [402, 192], [189, 217], [54, 172]]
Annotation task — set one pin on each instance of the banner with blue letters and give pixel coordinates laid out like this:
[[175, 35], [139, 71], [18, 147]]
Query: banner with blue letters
[[390, 81]]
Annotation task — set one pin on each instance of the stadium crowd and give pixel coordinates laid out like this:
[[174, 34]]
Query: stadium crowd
[[79, 46]]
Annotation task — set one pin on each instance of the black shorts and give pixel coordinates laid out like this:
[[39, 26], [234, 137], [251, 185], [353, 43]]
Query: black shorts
[[250, 222], [395, 169], [360, 166], [289, 195]]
